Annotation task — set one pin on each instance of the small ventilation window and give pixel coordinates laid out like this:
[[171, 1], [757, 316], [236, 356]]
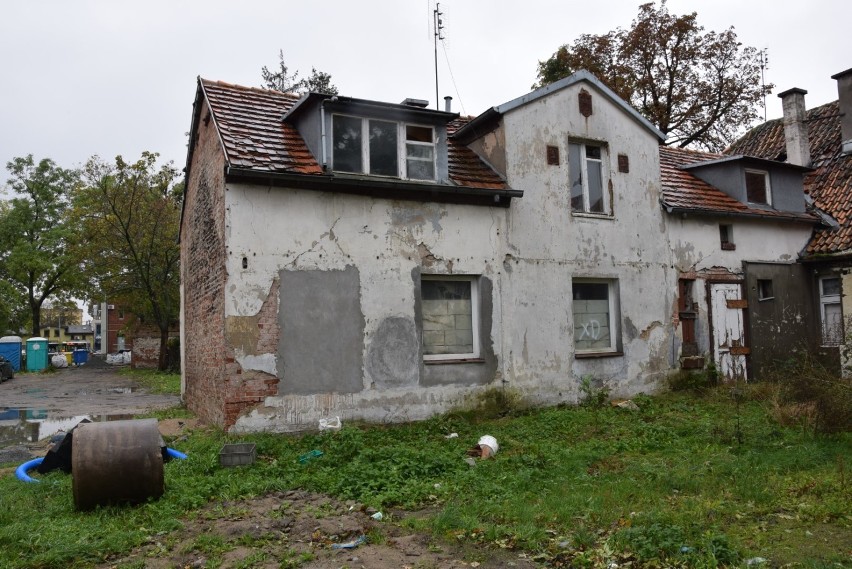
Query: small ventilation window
[[585, 100], [245, 262], [553, 155], [726, 237], [764, 289], [623, 164]]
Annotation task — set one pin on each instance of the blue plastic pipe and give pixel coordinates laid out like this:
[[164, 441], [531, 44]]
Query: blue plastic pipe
[[21, 471]]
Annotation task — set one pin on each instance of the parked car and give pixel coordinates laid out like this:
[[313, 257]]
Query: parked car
[[7, 372]]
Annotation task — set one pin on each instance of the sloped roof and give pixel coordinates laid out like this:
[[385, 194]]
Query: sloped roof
[[684, 192], [481, 123], [830, 183], [250, 126]]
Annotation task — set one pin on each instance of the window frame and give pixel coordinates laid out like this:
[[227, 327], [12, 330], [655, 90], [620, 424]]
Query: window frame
[[584, 177], [614, 314], [767, 187], [830, 300], [473, 280], [402, 144]]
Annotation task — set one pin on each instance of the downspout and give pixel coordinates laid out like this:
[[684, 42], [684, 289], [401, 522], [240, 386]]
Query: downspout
[[324, 164]]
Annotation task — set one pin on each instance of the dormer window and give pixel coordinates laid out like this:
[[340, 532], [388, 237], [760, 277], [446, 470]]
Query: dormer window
[[757, 187], [383, 148]]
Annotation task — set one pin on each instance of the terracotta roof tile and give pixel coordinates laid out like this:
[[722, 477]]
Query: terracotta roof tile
[[682, 190], [255, 137], [830, 184]]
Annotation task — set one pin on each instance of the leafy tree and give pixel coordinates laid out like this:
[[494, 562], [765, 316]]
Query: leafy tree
[[38, 257], [699, 88], [281, 80], [130, 216]]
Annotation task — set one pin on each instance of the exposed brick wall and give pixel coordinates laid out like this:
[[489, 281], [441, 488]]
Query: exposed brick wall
[[117, 319], [248, 388], [203, 273]]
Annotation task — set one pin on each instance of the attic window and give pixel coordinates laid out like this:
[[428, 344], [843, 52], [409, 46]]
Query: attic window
[[757, 187], [585, 100], [383, 148]]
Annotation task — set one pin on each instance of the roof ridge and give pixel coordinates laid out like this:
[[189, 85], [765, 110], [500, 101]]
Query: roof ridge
[[259, 90]]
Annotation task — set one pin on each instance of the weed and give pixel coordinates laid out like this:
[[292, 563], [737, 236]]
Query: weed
[[594, 394], [167, 383], [498, 402], [687, 380]]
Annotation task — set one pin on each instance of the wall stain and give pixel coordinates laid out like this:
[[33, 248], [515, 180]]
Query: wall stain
[[646, 333]]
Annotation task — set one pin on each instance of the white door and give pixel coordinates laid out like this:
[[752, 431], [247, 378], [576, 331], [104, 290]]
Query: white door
[[729, 330]]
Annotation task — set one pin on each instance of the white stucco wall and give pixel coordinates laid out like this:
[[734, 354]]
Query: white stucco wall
[[548, 245]]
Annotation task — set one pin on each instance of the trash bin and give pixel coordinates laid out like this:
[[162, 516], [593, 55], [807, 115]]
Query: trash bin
[[81, 357], [6, 371], [10, 348], [36, 354]]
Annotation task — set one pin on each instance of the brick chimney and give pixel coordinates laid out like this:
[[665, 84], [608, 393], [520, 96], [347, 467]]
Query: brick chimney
[[795, 128], [844, 94]]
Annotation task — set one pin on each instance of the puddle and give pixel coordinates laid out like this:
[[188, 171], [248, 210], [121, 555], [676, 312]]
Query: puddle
[[18, 426]]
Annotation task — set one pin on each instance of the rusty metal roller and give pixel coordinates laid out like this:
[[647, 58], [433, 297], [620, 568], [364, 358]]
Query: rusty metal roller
[[116, 462]]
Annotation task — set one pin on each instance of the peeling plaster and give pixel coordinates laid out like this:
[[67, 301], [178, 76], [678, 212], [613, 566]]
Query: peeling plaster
[[263, 362], [242, 333], [646, 333]]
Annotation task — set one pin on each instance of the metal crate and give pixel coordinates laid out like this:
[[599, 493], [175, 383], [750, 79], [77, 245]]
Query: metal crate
[[237, 454]]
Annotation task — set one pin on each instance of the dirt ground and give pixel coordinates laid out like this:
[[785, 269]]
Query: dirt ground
[[284, 530], [308, 531]]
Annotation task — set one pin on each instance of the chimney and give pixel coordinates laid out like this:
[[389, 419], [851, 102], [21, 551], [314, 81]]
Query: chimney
[[844, 94], [795, 129], [448, 104]]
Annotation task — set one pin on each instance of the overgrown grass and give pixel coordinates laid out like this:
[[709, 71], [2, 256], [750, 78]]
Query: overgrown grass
[[160, 382], [668, 485]]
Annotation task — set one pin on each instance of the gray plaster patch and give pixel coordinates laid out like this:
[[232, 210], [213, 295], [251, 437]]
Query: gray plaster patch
[[322, 332], [393, 358]]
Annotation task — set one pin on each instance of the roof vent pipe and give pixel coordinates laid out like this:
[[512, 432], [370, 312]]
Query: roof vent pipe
[[795, 128], [844, 94], [448, 104]]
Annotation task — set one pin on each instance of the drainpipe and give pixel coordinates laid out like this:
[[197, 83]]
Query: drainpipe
[[323, 135]]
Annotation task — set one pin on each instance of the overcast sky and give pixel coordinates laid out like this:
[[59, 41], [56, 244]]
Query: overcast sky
[[106, 77]]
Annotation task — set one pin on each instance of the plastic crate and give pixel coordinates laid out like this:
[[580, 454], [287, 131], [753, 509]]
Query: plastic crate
[[237, 454]]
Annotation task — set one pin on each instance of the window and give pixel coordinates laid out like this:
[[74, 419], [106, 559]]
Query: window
[[764, 289], [383, 148], [585, 162], [757, 187], [450, 310], [56, 333], [831, 314], [553, 156], [595, 310], [726, 237]]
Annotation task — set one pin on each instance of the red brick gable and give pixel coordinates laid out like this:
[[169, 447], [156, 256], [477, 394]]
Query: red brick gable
[[830, 184]]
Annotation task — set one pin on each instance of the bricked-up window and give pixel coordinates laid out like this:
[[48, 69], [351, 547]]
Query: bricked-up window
[[586, 170], [831, 314], [383, 148], [553, 155], [585, 101], [595, 306], [450, 315], [757, 187]]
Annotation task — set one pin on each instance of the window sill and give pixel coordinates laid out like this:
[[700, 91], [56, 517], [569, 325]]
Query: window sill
[[592, 215], [594, 355], [454, 361]]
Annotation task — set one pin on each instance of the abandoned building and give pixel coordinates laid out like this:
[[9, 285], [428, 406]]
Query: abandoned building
[[821, 139], [386, 262]]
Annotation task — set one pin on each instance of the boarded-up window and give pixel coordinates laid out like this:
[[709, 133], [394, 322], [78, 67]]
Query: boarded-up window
[[553, 155], [449, 313], [585, 100]]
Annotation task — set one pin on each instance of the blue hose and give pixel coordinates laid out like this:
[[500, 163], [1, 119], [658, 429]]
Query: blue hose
[[21, 471]]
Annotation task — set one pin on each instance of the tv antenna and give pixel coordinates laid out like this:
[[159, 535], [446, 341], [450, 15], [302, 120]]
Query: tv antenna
[[764, 65], [438, 26]]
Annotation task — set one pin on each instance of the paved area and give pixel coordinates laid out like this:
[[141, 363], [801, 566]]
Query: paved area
[[35, 406]]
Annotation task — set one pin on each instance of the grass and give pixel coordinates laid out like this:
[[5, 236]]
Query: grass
[[159, 382], [690, 481]]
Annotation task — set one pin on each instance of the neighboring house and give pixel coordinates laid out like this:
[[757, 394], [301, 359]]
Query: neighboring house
[[736, 226], [111, 331], [820, 138], [386, 262]]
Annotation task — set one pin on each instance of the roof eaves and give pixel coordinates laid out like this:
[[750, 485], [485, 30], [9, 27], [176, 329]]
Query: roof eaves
[[705, 212], [746, 158], [478, 126]]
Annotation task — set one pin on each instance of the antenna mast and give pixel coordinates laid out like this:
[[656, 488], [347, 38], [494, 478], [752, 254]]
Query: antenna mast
[[764, 65], [438, 26]]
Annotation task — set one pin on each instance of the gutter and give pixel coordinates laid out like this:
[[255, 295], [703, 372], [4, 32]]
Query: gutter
[[709, 213], [393, 189]]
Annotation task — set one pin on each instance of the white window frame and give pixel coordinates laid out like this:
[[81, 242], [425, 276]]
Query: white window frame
[[829, 300], [401, 142], [765, 175], [474, 317], [584, 177], [613, 311]]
